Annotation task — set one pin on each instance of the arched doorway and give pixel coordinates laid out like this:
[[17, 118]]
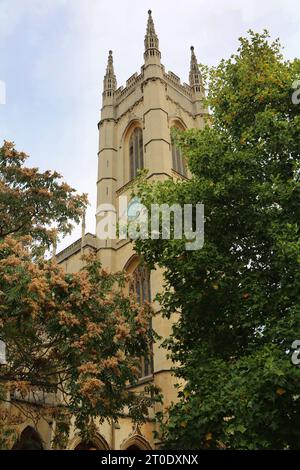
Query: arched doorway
[[86, 446], [96, 443], [29, 440], [136, 442]]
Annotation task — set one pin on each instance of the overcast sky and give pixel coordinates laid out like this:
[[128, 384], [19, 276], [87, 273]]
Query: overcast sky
[[53, 56]]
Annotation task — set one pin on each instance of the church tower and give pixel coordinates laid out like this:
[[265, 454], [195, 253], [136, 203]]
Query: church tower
[[134, 133], [134, 129]]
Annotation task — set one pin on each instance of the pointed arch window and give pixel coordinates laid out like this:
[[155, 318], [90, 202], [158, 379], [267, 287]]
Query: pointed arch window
[[140, 287], [136, 152], [140, 284], [178, 161]]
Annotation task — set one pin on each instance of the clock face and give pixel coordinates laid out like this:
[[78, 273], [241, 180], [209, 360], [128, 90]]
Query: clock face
[[135, 209]]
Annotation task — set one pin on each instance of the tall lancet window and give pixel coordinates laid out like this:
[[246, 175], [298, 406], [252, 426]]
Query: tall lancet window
[[136, 152], [140, 287], [140, 284], [178, 161]]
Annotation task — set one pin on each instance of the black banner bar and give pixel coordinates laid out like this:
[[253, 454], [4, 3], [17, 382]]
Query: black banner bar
[[136, 459]]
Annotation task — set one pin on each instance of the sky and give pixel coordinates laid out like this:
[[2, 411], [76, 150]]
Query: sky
[[53, 55]]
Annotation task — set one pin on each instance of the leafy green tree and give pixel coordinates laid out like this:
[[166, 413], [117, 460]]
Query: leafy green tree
[[239, 296], [73, 341]]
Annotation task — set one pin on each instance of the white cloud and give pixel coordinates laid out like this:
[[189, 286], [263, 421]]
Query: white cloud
[[13, 12]]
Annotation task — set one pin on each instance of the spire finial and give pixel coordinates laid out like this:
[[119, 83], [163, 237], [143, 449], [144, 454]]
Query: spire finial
[[151, 39], [110, 82], [195, 75], [110, 64]]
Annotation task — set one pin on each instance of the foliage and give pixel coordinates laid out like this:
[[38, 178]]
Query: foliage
[[73, 341], [8, 422], [239, 295], [34, 203]]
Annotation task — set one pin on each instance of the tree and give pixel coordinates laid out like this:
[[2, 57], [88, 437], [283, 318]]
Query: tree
[[238, 296], [72, 340], [34, 203]]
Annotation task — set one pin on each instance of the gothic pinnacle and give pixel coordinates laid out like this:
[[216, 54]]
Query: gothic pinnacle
[[110, 64], [110, 82], [195, 77], [151, 39]]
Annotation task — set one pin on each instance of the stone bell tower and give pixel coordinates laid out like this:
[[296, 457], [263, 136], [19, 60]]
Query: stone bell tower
[[134, 129], [134, 133]]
